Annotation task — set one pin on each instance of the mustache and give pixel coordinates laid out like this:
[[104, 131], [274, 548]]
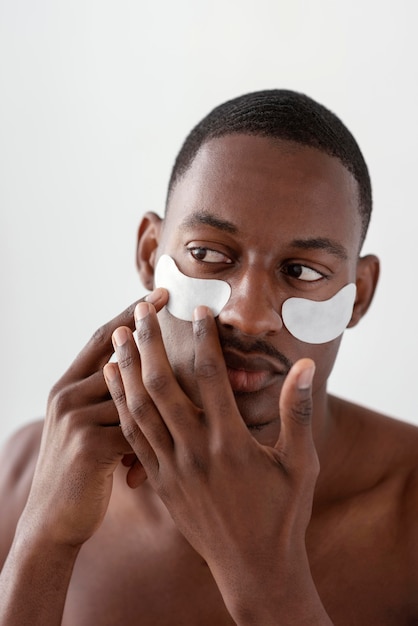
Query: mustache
[[258, 345]]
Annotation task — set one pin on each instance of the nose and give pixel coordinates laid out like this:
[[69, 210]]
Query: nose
[[252, 308]]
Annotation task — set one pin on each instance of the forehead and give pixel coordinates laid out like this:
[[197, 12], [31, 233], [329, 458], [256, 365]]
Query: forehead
[[269, 189]]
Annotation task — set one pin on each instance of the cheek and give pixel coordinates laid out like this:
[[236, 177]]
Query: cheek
[[178, 342], [186, 293], [324, 356]]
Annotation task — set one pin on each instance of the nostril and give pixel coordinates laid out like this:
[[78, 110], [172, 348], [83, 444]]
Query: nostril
[[251, 319]]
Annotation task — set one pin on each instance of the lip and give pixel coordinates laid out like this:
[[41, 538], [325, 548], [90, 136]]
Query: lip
[[251, 373]]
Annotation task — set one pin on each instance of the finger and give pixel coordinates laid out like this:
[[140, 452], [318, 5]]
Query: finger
[[104, 414], [98, 425], [172, 404], [90, 395], [296, 410], [217, 397], [129, 459], [136, 475], [99, 348], [138, 402], [114, 440], [89, 391], [158, 297], [128, 421]]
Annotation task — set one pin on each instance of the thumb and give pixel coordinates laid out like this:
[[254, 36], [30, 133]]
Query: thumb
[[296, 409]]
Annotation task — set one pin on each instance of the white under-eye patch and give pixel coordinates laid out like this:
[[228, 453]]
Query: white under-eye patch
[[307, 320], [319, 322], [186, 293]]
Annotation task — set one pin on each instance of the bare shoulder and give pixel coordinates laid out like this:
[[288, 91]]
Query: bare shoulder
[[392, 443], [388, 446], [403, 438], [386, 451], [18, 457], [20, 450]]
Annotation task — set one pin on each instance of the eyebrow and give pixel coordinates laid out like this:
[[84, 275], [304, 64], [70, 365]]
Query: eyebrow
[[322, 243], [201, 217], [312, 243]]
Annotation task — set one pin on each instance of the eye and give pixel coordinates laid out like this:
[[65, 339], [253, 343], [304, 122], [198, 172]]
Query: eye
[[302, 272], [207, 255]]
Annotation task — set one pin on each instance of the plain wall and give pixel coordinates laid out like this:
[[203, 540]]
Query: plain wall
[[95, 100]]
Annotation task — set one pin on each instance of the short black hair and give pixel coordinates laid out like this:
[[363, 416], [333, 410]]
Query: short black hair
[[281, 114]]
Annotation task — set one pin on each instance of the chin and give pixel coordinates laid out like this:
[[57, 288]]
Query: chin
[[266, 434], [261, 418]]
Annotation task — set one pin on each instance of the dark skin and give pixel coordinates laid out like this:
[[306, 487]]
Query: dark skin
[[237, 490]]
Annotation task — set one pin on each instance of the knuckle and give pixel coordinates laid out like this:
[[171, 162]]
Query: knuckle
[[125, 361], [156, 382], [101, 336], [131, 432], [145, 334], [138, 407], [206, 369], [60, 401], [118, 396], [302, 412], [201, 329]]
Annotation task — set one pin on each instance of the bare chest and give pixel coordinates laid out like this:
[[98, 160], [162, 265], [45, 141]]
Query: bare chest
[[142, 575], [146, 574], [357, 556]]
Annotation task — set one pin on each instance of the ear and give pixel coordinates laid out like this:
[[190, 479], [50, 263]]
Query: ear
[[368, 268], [148, 239]]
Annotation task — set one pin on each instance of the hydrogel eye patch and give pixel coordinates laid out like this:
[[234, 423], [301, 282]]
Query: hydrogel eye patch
[[186, 293], [307, 320], [319, 322]]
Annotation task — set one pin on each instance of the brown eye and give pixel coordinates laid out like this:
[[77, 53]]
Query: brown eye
[[302, 272], [207, 255], [294, 271], [199, 253]]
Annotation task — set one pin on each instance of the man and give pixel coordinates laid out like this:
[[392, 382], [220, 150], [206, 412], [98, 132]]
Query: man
[[220, 483]]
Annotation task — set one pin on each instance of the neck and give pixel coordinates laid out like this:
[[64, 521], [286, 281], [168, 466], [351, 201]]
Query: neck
[[334, 439]]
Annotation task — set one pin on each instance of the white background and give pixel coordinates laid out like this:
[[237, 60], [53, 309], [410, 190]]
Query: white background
[[96, 97]]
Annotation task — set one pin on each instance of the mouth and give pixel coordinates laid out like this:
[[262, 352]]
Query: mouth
[[243, 381], [251, 373]]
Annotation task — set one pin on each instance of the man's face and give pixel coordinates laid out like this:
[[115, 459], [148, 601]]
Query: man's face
[[275, 220]]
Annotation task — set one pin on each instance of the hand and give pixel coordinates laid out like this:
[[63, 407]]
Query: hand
[[81, 446], [242, 505]]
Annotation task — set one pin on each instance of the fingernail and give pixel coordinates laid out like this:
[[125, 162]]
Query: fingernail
[[141, 310], [155, 296], [120, 336], [306, 377], [200, 313], [109, 373]]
